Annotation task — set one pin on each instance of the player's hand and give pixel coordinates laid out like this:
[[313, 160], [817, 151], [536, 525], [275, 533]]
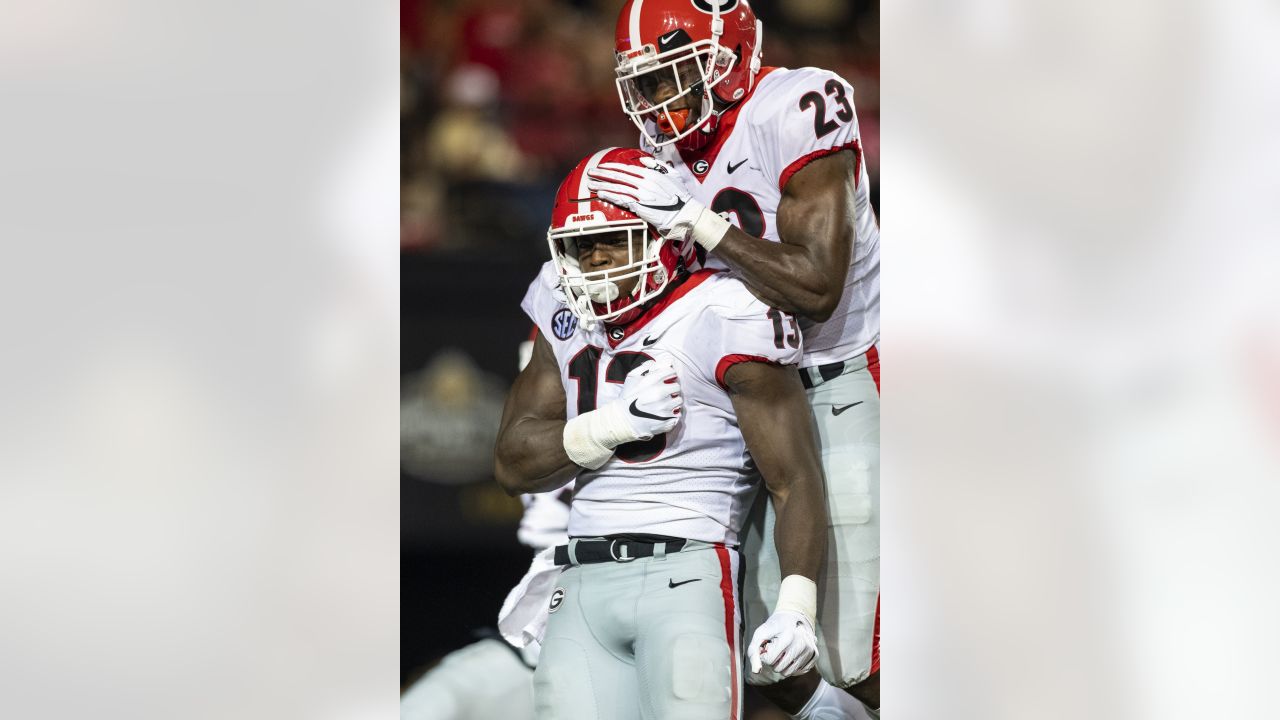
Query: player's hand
[[654, 193], [650, 405], [786, 642], [651, 399]]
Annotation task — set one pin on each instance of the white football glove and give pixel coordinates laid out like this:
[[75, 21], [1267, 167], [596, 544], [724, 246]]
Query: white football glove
[[786, 642], [650, 405], [656, 195], [652, 399]]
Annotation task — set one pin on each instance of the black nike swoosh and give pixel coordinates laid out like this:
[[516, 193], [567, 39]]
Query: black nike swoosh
[[673, 584], [676, 206], [836, 411], [733, 167], [648, 341], [640, 413]]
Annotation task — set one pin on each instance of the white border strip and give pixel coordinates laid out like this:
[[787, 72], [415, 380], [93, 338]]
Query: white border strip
[[584, 195], [635, 24]]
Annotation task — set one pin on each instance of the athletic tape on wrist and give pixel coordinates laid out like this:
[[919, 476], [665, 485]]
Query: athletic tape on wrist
[[581, 446], [798, 594], [612, 428], [709, 229], [590, 438]]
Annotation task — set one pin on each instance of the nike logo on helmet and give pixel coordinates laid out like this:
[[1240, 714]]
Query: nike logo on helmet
[[674, 206], [668, 37], [642, 414]]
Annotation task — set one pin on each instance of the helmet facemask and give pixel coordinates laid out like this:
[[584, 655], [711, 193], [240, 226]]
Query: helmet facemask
[[594, 296], [693, 70]]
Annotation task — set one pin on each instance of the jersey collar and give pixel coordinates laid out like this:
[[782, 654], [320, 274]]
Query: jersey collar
[[728, 118], [617, 333]]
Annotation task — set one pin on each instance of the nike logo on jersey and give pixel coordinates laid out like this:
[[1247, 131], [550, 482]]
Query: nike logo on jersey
[[674, 206], [673, 584], [836, 411], [648, 341], [642, 414], [733, 167]]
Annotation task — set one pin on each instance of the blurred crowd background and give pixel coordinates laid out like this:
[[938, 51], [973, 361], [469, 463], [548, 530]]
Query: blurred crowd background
[[499, 99]]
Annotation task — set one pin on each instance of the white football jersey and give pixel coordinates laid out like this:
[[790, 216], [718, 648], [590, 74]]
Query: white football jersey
[[790, 118], [545, 518], [696, 481]]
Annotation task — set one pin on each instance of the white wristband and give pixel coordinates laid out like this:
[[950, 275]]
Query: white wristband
[[798, 594], [581, 446], [590, 438], [709, 229]]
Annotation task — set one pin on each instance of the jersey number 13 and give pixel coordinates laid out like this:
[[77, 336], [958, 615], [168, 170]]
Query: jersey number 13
[[584, 367]]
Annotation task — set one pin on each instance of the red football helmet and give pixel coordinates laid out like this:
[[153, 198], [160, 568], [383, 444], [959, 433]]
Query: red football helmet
[[709, 48], [594, 295]]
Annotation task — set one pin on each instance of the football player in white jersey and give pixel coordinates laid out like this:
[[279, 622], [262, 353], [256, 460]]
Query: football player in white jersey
[[767, 179], [668, 395], [487, 679]]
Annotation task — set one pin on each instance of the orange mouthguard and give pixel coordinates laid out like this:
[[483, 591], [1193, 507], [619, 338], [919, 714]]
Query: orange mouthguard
[[680, 118]]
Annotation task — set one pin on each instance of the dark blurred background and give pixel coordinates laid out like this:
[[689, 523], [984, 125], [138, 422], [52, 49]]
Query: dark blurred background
[[499, 100]]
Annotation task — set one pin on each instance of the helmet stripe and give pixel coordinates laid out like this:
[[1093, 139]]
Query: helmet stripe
[[584, 195], [635, 24]]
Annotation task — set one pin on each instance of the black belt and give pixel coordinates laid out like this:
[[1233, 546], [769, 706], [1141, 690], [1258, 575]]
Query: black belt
[[617, 548], [830, 371]]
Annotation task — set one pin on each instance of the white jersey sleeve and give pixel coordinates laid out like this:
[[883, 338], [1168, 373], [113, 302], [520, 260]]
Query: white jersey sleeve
[[810, 115], [544, 303], [543, 292], [545, 522], [738, 328]]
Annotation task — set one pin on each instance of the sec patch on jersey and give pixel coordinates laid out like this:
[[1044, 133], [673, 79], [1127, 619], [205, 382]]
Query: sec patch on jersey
[[563, 323]]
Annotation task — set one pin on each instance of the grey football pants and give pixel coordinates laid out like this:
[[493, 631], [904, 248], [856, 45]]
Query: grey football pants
[[846, 409], [651, 639]]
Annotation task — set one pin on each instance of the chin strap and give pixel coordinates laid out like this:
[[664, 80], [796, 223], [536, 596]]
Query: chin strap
[[703, 135], [585, 316]]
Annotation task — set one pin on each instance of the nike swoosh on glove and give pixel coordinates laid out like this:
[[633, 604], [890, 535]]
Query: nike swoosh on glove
[[654, 193], [651, 395], [650, 405], [786, 642]]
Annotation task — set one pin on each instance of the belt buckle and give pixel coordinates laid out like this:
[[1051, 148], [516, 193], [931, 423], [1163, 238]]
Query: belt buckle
[[615, 556]]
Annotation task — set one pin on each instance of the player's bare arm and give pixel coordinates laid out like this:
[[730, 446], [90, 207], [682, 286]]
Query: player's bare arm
[[805, 273], [530, 454], [777, 425]]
